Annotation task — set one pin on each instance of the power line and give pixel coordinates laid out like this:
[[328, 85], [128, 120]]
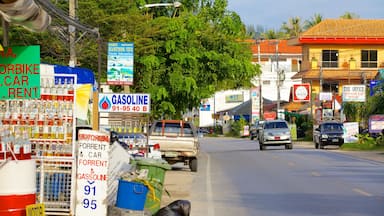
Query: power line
[[54, 11]]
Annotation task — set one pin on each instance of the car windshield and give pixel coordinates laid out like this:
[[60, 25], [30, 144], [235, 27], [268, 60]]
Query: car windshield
[[332, 127], [271, 125]]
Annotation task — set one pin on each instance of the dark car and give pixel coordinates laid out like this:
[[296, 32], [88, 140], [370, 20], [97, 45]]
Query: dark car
[[328, 133]]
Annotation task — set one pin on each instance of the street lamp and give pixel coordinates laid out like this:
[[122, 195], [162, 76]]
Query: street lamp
[[175, 4]]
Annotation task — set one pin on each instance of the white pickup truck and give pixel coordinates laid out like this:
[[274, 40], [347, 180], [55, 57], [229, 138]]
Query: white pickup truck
[[178, 141]]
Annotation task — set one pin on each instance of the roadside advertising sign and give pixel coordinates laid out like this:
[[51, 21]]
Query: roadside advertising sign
[[20, 72], [92, 173], [130, 103], [351, 130], [269, 115], [120, 63], [255, 99], [376, 123], [325, 96], [353, 93], [301, 92]]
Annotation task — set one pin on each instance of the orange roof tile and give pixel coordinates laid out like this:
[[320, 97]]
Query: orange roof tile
[[347, 28], [269, 46]]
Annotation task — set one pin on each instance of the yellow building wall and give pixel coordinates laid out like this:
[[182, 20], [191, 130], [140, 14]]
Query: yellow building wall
[[346, 52]]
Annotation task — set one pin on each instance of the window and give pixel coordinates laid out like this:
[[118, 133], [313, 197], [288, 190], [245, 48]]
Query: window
[[369, 58], [330, 58]]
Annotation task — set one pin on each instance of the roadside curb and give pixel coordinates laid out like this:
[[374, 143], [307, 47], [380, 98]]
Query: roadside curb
[[377, 156]]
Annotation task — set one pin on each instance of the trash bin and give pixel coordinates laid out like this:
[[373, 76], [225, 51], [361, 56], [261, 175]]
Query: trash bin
[[131, 195], [155, 173]]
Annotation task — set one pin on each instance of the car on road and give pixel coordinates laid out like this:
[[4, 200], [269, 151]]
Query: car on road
[[275, 133], [328, 133]]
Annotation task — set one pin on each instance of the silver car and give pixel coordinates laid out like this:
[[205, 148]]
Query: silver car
[[275, 133]]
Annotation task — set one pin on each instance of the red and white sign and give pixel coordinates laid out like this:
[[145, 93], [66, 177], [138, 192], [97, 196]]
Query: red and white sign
[[301, 92], [92, 173]]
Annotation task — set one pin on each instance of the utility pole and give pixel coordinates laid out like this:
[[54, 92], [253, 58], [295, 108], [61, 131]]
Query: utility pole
[[278, 77], [258, 41], [72, 34]]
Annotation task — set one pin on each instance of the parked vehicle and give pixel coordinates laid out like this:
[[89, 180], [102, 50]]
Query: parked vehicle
[[275, 133], [328, 133], [178, 141]]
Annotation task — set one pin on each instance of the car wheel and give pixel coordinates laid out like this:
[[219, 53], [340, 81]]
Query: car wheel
[[320, 146], [252, 137], [193, 165]]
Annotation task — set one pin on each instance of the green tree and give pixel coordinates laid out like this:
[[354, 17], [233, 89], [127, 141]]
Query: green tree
[[181, 55], [316, 19], [293, 28], [349, 15]]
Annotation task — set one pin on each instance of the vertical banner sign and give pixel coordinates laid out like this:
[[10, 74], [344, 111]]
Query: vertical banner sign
[[92, 173], [255, 99], [120, 63], [20, 72]]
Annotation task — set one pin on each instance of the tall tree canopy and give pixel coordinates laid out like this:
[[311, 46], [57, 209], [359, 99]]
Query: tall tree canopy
[[182, 55]]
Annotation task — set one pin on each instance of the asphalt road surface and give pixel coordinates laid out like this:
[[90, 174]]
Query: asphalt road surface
[[235, 178]]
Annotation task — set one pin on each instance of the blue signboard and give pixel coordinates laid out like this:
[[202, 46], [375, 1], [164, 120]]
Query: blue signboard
[[373, 87], [120, 63]]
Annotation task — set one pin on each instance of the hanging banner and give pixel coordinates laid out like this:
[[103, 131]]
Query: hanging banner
[[20, 72], [120, 63], [130, 103]]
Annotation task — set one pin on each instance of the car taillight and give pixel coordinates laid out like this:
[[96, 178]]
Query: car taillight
[[156, 146]]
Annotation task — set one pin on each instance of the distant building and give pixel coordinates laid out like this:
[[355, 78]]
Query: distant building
[[339, 52]]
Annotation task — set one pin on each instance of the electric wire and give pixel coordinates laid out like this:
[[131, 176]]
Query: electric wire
[[54, 11]]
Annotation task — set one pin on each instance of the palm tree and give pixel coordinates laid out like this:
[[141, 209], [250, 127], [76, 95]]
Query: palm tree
[[270, 34], [293, 28], [316, 19], [349, 15]]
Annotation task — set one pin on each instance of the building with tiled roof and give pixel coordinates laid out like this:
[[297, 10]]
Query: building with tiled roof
[[339, 52], [276, 58]]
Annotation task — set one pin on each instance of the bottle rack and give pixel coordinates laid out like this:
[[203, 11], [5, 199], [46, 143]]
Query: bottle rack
[[48, 122]]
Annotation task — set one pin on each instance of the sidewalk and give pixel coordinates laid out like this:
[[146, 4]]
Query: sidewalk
[[377, 156]]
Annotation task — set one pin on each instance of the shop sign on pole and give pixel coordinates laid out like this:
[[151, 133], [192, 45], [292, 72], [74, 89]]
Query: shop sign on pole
[[120, 63], [301, 92], [129, 103], [20, 72], [353, 93], [255, 99], [92, 173]]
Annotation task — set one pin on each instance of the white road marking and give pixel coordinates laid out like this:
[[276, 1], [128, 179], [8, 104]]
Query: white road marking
[[364, 193], [211, 209]]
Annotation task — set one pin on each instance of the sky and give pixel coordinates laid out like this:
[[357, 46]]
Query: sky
[[271, 14]]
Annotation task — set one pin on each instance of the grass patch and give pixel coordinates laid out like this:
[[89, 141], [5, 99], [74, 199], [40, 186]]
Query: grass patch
[[361, 147]]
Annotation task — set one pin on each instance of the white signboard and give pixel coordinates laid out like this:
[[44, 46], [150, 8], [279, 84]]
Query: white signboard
[[351, 130], [354, 93], [325, 96], [130, 103], [92, 173]]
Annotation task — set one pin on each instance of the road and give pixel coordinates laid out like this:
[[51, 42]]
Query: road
[[235, 178]]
